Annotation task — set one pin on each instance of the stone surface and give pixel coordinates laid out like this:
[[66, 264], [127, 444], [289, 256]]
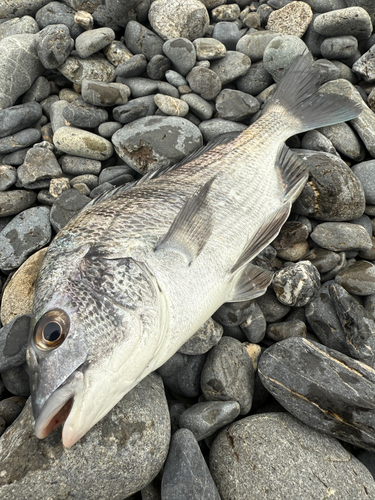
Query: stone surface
[[53, 45], [119, 456], [297, 284], [339, 47], [353, 21], [358, 278], [83, 115], [91, 41], [286, 329], [181, 53], [254, 326], [227, 33], [67, 205], [97, 67], [18, 26], [170, 105], [182, 374], [8, 177], [13, 202], [293, 19], [208, 49], [281, 446], [280, 54], [255, 80], [19, 140], [200, 107], [79, 142], [135, 109], [16, 381], [104, 94], [13, 341], [217, 126], [141, 40], [39, 164], [254, 44], [365, 172], [345, 140], [341, 236], [231, 66], [19, 117], [204, 82], [206, 337], [271, 308]]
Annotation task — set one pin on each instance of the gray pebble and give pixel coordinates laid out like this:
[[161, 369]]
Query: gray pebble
[[286, 329], [27, 232], [93, 68], [89, 42], [325, 6], [297, 284], [19, 140], [56, 115], [217, 126], [89, 179], [158, 66], [254, 326], [353, 21], [16, 381], [180, 138], [316, 141], [117, 52], [10, 408], [102, 188], [271, 308], [121, 13], [185, 473], [324, 260], [203, 419], [38, 91], [53, 45], [39, 164], [104, 94], [254, 44], [18, 57], [13, 342], [280, 54], [181, 53], [228, 374], [236, 105], [107, 129], [182, 374], [141, 40], [365, 172], [207, 336], [209, 49], [175, 78], [199, 106], [79, 142], [328, 70], [135, 109], [175, 19], [69, 204], [231, 66], [139, 86], [233, 313], [227, 33], [339, 47], [341, 236], [168, 89], [110, 174], [14, 202], [8, 177], [345, 140], [170, 105], [58, 13], [16, 118], [365, 65], [204, 82], [135, 66], [18, 26], [255, 80], [81, 114], [358, 278]]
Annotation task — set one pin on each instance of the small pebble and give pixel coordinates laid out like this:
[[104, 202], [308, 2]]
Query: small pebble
[[206, 337], [67, 206], [341, 236], [286, 329], [54, 44], [293, 19], [353, 21], [254, 326], [170, 105], [181, 53], [83, 115], [92, 41], [231, 66], [104, 94], [79, 142], [140, 40], [204, 82], [182, 374]]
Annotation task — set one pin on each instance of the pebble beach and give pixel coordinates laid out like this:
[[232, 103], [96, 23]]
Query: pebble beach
[[272, 398]]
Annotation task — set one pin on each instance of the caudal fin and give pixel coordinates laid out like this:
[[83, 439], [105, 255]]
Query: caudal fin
[[298, 95]]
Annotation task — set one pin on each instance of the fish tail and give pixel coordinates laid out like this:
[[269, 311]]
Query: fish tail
[[298, 95]]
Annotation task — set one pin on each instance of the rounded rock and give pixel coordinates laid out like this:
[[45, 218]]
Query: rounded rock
[[217, 126], [104, 94], [141, 40], [182, 374], [255, 80], [293, 19], [135, 109], [92, 41], [181, 53], [227, 33], [206, 337], [339, 47], [54, 44], [358, 278], [16, 118], [14, 202], [353, 21], [341, 236], [76, 69], [171, 106], [236, 105], [280, 54], [135, 66], [204, 82], [199, 106], [83, 115], [78, 142], [67, 206], [231, 66], [365, 172], [254, 44], [208, 49]]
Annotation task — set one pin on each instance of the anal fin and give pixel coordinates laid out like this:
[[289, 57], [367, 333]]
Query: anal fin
[[293, 173], [252, 282], [191, 228]]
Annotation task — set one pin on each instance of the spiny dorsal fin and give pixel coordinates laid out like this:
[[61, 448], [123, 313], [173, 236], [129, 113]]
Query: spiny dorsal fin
[[191, 228], [293, 173], [265, 234], [252, 282]]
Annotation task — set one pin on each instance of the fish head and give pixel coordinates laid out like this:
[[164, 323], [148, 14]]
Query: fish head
[[93, 337]]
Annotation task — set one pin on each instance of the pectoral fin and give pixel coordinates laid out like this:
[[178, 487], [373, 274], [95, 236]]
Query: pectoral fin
[[191, 228], [252, 282], [293, 173]]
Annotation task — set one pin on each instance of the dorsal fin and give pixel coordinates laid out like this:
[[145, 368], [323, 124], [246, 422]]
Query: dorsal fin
[[191, 228], [293, 173], [265, 234], [252, 282]]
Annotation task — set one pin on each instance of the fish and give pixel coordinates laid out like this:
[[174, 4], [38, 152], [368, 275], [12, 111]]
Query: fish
[[135, 274]]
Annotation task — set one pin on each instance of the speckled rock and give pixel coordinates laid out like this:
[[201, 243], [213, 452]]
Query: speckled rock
[[54, 44], [231, 66], [358, 278], [206, 337], [208, 49], [97, 67], [293, 19], [91, 41], [341, 236], [119, 456], [170, 105], [351, 21], [296, 285], [39, 164], [204, 82], [79, 142], [13, 202]]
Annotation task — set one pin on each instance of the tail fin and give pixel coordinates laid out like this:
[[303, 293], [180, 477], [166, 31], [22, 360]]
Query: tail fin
[[297, 94]]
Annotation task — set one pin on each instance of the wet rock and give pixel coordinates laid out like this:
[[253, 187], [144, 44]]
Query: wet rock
[[182, 374], [353, 21], [83, 115], [135, 109], [67, 205], [53, 45], [93, 40], [254, 326], [13, 341], [13, 202], [19, 117], [119, 456], [297, 284], [324, 260], [228, 374], [97, 67], [286, 329], [341, 236], [281, 448], [320, 398], [185, 473], [358, 278], [231, 66], [293, 19], [333, 192], [154, 141], [39, 164], [206, 337], [79, 142], [271, 308]]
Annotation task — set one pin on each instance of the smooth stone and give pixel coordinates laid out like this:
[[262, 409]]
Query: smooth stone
[[333, 192], [200, 107], [155, 141], [108, 129], [324, 260], [345, 140], [135, 109], [358, 278], [320, 398], [104, 94], [74, 165], [182, 374], [10, 408], [227, 33], [83, 115], [204, 82], [256, 80], [274, 467], [18, 57], [296, 285], [14, 202], [233, 313], [175, 78], [140, 40], [231, 66], [316, 141], [8, 177], [357, 323], [353, 21], [365, 172], [293, 19], [341, 236], [117, 52], [13, 342], [186, 474], [206, 337], [39, 164], [280, 54], [367, 458], [135, 66], [78, 142], [90, 180], [166, 88], [181, 53], [324, 6], [174, 19], [286, 329], [91, 41], [16, 381], [292, 232], [102, 188], [27, 232], [228, 374], [97, 67], [157, 67], [254, 326], [121, 13], [19, 140], [339, 47], [110, 173], [208, 49], [38, 91], [59, 13], [217, 126], [170, 105], [119, 456], [139, 86], [365, 67], [272, 309], [16, 118], [254, 44], [53, 45], [67, 206], [18, 26]]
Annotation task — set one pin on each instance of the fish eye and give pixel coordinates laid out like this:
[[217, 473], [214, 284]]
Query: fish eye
[[51, 330]]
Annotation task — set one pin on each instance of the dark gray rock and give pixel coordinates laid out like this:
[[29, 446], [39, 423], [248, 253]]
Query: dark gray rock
[[175, 78], [217, 126], [365, 172], [18, 57], [203, 419], [254, 326], [206, 337], [316, 141], [19, 117], [227, 33], [158, 66], [13, 342], [104, 94], [19, 140], [254, 44], [199, 106], [281, 446], [58, 13], [353, 21], [291, 233], [39, 164], [286, 329], [209, 48], [367, 458], [16, 381], [182, 374], [231, 66], [91, 41], [18, 26], [341, 236], [204, 82], [67, 205], [13, 202], [312, 38], [324, 260], [358, 278], [8, 177], [122, 12], [135, 66], [255, 80], [81, 114], [186, 475], [38, 91], [139, 86], [296, 285], [328, 70], [181, 52], [233, 313], [228, 374], [271, 308], [109, 174], [119, 456], [135, 109], [10, 408], [102, 188], [154, 141], [236, 105], [280, 54], [335, 394], [345, 140], [141, 40], [333, 192], [74, 165], [53, 45]]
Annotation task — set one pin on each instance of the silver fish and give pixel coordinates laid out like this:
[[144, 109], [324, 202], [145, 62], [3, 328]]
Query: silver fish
[[139, 270]]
